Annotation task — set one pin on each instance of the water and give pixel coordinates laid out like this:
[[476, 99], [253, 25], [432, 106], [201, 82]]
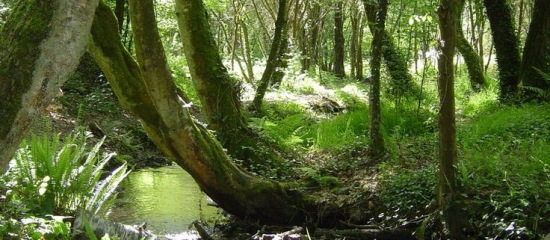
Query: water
[[166, 198]]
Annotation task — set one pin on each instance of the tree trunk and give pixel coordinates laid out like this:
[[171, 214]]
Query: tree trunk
[[152, 59], [473, 61], [217, 91], [171, 127], [395, 62], [339, 44], [506, 43], [452, 213], [119, 13], [376, 148], [282, 61], [313, 48], [536, 53], [31, 67], [271, 64], [359, 58], [355, 41]]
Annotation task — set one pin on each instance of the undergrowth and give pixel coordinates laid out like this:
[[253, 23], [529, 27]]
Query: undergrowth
[[504, 162]]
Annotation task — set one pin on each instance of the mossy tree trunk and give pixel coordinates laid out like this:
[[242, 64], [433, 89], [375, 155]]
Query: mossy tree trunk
[[454, 220], [31, 67], [393, 59], [506, 43], [282, 61], [149, 50], [536, 53], [339, 41], [473, 61], [217, 91], [274, 55], [171, 127], [376, 148]]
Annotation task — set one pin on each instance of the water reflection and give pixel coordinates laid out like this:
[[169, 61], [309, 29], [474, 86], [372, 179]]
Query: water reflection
[[167, 198]]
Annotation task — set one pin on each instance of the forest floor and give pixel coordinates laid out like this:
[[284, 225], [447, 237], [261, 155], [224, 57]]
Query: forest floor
[[322, 123]]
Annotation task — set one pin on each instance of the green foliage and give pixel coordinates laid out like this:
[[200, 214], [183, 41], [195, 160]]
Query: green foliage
[[407, 194], [543, 94], [507, 163], [51, 176], [35, 228], [315, 179], [343, 129]]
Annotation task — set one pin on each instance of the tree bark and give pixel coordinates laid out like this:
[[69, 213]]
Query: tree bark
[[376, 148], [31, 67], [473, 61], [282, 61], [339, 41], [217, 91], [149, 50], [394, 61], [274, 54], [355, 42], [536, 53], [359, 58], [313, 49], [190, 145], [506, 43], [120, 7], [454, 221]]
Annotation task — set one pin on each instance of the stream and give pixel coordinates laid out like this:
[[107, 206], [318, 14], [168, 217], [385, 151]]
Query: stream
[[166, 198]]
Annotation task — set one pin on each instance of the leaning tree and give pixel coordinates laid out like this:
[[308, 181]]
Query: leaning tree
[[31, 66], [153, 98]]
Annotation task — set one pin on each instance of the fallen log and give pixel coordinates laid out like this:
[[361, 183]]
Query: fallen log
[[293, 234], [101, 227]]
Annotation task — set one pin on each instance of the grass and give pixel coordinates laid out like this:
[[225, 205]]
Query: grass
[[504, 162]]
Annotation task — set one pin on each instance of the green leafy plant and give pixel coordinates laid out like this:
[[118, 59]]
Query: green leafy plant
[[60, 177]]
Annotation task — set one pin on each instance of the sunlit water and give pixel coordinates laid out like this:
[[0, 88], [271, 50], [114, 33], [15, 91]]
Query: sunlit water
[[167, 199]]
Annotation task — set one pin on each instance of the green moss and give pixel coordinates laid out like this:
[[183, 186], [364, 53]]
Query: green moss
[[26, 28]]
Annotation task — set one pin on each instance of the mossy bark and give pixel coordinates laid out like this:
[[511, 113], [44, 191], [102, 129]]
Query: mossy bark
[[471, 58], [217, 91], [339, 53], [274, 55], [506, 43], [536, 53], [190, 145], [376, 148], [31, 68], [395, 62]]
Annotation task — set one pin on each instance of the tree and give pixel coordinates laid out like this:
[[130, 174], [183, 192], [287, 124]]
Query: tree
[[536, 52], [393, 59], [277, 49], [506, 43], [217, 91], [356, 51], [454, 220], [471, 58], [31, 68], [171, 127], [339, 54], [376, 148]]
